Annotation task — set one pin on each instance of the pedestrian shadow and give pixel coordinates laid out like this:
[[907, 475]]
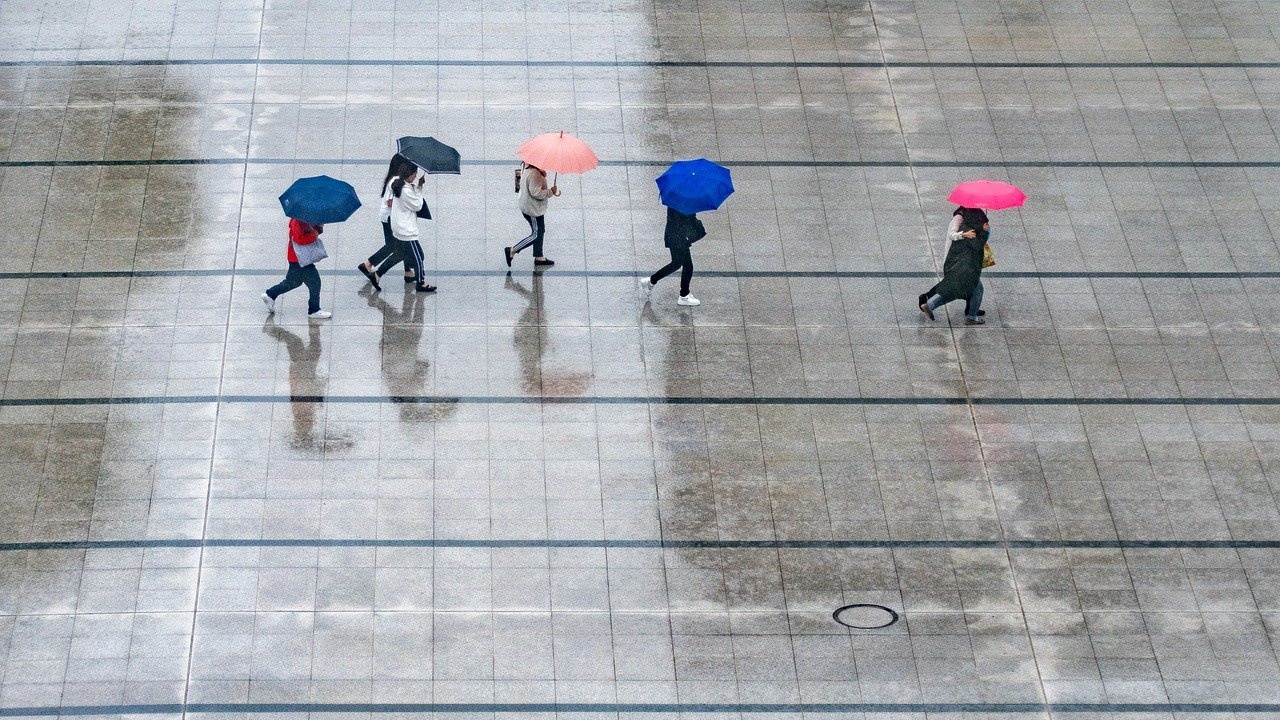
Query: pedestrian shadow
[[306, 387], [531, 343], [405, 373]]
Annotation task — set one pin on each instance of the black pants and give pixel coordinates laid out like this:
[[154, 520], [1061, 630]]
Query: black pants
[[296, 276], [537, 229], [388, 249], [680, 260]]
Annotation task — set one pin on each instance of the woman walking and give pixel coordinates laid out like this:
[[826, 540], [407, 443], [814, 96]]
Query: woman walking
[[405, 194], [962, 268], [534, 194], [681, 233], [300, 234], [400, 167]]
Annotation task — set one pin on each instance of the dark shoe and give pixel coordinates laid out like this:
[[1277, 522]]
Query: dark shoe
[[368, 274], [410, 279], [981, 313], [506, 252], [548, 262], [425, 288], [924, 298], [924, 308], [975, 321]]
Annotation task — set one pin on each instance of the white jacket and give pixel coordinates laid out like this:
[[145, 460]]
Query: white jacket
[[404, 218]]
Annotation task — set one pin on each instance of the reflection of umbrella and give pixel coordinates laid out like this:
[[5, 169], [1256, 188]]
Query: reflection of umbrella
[[319, 200], [430, 154], [987, 194], [692, 186], [558, 153]]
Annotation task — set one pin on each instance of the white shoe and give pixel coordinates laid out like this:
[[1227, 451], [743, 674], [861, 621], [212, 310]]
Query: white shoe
[[320, 315], [271, 304], [688, 300], [646, 287]]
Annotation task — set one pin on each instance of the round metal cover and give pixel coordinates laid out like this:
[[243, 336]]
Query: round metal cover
[[865, 616]]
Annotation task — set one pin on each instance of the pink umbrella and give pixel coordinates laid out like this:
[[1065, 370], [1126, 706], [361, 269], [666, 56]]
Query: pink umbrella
[[987, 194], [558, 153]]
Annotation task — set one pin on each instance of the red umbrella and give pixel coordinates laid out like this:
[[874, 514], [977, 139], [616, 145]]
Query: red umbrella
[[987, 194]]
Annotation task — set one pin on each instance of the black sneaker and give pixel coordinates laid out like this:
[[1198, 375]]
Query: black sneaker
[[506, 253], [924, 308], [368, 274], [547, 262]]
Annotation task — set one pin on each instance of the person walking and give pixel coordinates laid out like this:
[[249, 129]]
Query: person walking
[[399, 167], [534, 194], [962, 268], [405, 194], [300, 234], [681, 233]]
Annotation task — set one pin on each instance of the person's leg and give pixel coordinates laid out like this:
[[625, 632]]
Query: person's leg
[[529, 239], [418, 261], [311, 277], [936, 302], [539, 231], [387, 250], [974, 304], [292, 279], [667, 269], [686, 272]]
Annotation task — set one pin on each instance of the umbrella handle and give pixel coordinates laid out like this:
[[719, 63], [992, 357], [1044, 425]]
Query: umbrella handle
[[554, 181]]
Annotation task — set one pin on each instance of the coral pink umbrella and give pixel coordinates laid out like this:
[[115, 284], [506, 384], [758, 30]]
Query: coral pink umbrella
[[558, 153], [987, 194]]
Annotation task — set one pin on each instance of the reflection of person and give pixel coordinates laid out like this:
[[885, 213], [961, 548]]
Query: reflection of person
[[681, 233], [534, 194], [400, 167], [962, 268], [300, 233], [531, 343], [404, 372], [306, 384]]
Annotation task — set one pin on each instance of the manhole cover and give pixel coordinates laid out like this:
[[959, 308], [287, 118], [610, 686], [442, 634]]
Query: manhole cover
[[865, 616]]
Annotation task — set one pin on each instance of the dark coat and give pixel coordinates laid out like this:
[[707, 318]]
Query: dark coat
[[682, 230], [961, 270]]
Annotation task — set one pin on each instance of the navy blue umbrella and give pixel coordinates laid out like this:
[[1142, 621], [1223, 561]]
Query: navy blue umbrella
[[319, 200], [692, 186], [430, 154]]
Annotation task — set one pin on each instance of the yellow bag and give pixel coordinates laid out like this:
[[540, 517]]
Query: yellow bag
[[988, 256]]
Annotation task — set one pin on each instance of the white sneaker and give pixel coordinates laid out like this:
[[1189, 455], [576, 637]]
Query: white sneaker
[[320, 315], [688, 300], [646, 287], [271, 304]]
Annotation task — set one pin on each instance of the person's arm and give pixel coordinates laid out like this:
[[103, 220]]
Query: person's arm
[[411, 196], [538, 186], [301, 233], [953, 230]]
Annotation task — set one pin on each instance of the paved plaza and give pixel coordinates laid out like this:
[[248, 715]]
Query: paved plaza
[[537, 495]]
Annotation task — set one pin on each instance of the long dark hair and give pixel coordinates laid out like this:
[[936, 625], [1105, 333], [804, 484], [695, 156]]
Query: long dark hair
[[400, 167]]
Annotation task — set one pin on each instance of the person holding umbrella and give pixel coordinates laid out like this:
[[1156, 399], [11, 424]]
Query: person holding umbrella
[[400, 167], [553, 152], [687, 188], [412, 154], [309, 204], [968, 252]]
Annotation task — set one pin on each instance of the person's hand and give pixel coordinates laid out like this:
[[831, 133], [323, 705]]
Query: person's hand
[[555, 191], [422, 178], [969, 234]]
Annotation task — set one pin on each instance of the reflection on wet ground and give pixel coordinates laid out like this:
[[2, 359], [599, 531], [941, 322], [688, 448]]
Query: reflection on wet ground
[[536, 487]]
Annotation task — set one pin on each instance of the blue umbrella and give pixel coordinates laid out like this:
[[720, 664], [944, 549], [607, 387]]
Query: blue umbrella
[[692, 186], [319, 200]]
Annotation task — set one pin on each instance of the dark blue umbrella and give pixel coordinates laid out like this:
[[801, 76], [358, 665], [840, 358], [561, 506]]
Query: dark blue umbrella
[[430, 154], [319, 200], [692, 186]]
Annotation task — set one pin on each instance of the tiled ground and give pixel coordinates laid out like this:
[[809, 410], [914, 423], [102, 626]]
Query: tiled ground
[[538, 496]]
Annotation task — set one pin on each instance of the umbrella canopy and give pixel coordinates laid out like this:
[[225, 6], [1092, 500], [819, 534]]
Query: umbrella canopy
[[692, 186], [987, 194], [430, 154], [319, 200], [558, 152]]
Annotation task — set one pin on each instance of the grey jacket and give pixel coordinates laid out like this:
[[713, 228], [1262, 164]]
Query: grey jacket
[[534, 192]]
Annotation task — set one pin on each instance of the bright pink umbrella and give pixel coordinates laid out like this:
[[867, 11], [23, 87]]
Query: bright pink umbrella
[[987, 194], [558, 153]]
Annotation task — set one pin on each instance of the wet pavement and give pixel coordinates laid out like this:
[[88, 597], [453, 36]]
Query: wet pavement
[[537, 495]]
